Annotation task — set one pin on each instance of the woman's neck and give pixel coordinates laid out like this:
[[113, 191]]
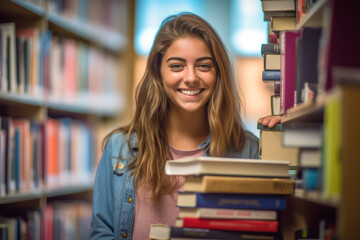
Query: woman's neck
[[186, 131]]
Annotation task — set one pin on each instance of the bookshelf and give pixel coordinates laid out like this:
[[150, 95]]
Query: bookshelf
[[335, 201], [72, 85]]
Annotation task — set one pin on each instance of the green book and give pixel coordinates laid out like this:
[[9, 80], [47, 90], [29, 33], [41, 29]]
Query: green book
[[277, 127]]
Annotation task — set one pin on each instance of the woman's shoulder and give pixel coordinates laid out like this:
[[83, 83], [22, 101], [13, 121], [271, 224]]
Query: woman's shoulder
[[251, 138], [118, 138]]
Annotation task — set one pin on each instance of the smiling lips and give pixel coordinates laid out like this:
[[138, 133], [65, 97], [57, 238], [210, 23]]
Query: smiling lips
[[190, 92]]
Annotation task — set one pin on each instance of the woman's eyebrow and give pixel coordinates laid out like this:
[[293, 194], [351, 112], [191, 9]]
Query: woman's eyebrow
[[184, 60], [176, 59]]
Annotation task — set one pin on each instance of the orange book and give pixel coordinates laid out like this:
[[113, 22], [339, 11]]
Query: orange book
[[51, 148]]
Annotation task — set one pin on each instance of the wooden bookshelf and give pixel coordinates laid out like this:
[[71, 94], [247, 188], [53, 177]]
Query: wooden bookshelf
[[314, 18], [335, 108], [92, 113]]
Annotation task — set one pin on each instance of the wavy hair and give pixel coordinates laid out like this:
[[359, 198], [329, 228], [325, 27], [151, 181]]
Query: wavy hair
[[150, 117]]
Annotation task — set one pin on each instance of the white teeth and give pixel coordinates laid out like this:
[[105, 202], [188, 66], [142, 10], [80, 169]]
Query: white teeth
[[190, 92]]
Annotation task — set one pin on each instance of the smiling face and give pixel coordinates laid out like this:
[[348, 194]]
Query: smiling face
[[189, 74]]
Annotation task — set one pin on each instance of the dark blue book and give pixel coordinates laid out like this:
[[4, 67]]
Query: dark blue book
[[231, 201], [273, 75], [162, 231]]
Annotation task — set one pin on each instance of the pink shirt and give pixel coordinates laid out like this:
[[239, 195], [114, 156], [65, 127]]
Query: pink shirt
[[166, 212]]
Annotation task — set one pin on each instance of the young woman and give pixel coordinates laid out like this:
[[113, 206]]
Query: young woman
[[186, 105]]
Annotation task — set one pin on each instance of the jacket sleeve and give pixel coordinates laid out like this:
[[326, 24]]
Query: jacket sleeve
[[102, 222]]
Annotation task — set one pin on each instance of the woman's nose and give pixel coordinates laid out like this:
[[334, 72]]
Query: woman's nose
[[190, 76]]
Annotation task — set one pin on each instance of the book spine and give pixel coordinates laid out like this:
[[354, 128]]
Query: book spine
[[271, 75], [238, 225], [180, 232], [270, 48], [236, 214], [287, 69], [244, 185], [241, 201]]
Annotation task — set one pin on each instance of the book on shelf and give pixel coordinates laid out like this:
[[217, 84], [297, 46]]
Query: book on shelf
[[8, 58], [277, 5], [339, 45], [283, 24], [302, 134], [311, 179], [332, 148], [226, 166], [310, 157], [271, 147], [231, 201], [270, 48], [9, 158], [271, 61], [163, 231], [288, 69], [228, 224], [221, 213], [277, 87], [307, 47], [275, 104], [269, 14], [2, 161], [244, 185], [271, 75], [30, 76]]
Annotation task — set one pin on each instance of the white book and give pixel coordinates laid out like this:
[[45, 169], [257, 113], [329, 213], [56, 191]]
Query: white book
[[227, 166]]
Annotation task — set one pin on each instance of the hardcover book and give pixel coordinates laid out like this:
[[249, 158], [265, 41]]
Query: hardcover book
[[288, 69], [220, 213], [231, 201], [305, 135], [226, 166], [271, 75], [270, 48], [308, 47], [245, 185], [162, 231], [228, 224], [271, 147], [283, 24], [271, 62]]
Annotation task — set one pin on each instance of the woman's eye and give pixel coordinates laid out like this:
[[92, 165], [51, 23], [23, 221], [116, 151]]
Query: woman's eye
[[204, 67], [176, 67]]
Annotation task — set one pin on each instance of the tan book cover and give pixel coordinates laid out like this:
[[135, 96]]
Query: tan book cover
[[224, 184]]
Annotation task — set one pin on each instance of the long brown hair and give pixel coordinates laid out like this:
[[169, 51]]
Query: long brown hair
[[150, 117]]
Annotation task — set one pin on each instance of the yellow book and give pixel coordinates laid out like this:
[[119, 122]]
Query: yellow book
[[332, 144]]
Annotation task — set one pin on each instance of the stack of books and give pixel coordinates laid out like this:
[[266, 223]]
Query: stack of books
[[228, 198]]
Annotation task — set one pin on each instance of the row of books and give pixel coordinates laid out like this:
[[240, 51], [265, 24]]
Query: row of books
[[59, 220], [226, 198], [55, 154], [95, 12], [36, 63]]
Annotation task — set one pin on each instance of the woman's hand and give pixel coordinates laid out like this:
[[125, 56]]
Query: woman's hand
[[270, 120]]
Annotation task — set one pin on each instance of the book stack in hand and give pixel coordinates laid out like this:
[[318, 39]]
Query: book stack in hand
[[229, 198]]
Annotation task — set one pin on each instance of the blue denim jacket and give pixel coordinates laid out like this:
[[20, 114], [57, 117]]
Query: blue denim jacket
[[114, 192]]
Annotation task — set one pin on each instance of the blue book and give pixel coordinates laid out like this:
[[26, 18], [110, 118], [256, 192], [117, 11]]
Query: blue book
[[273, 75], [231, 201]]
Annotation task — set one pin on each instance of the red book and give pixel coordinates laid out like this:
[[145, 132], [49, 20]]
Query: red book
[[228, 224], [287, 68]]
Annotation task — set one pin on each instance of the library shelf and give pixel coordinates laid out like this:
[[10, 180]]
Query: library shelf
[[64, 128], [313, 18]]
